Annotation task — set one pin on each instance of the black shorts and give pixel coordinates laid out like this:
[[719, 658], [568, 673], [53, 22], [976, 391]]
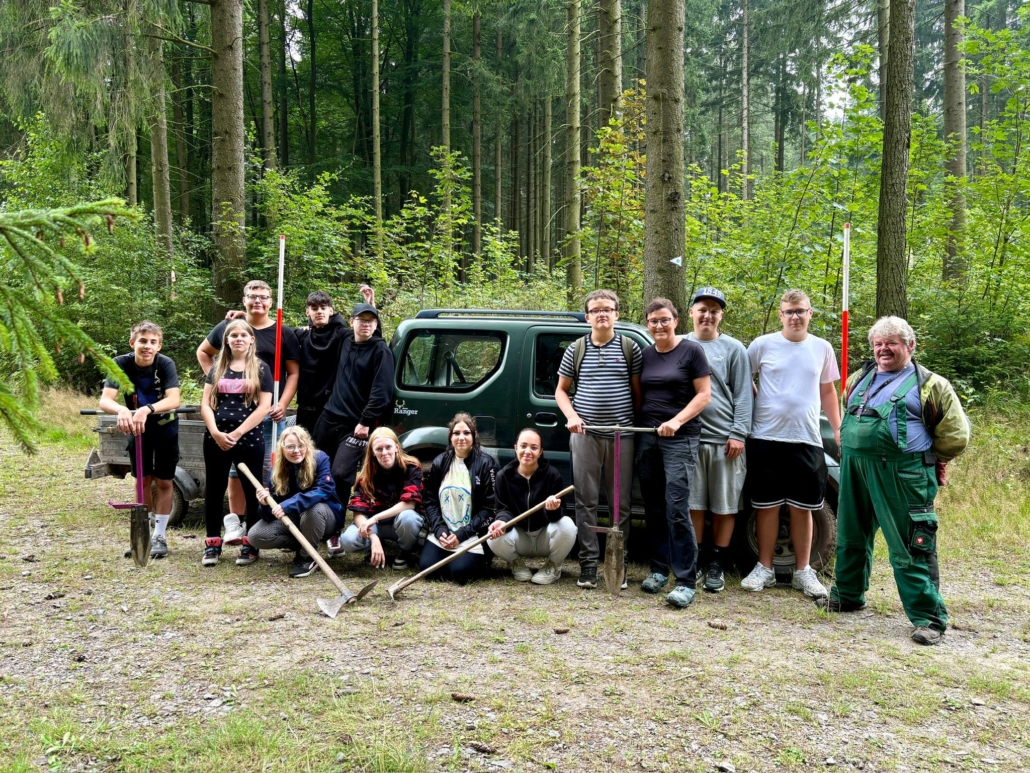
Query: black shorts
[[785, 473], [160, 455]]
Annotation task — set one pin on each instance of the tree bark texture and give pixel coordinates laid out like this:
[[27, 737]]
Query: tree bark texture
[[609, 76], [477, 137], [546, 187], [445, 110], [573, 195], [312, 81], [498, 139], [284, 96], [377, 158], [955, 135], [182, 152], [664, 231], [883, 18], [745, 109], [891, 246], [265, 64], [227, 150], [159, 159]]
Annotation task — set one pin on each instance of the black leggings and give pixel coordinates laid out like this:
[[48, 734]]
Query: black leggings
[[463, 569], [216, 474]]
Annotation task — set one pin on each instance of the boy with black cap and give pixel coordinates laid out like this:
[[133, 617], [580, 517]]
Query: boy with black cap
[[361, 400], [725, 425]]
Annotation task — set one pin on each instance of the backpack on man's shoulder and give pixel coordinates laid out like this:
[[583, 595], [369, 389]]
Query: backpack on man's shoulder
[[580, 351]]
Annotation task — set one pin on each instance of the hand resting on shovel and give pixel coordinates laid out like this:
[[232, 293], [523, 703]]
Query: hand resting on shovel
[[497, 527]]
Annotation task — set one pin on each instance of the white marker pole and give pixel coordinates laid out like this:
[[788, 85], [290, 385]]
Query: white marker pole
[[278, 337]]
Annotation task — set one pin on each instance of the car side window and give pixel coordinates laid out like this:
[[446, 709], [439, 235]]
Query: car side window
[[550, 348], [446, 361]]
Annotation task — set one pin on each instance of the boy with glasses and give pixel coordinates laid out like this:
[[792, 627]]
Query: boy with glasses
[[725, 425], [796, 374], [603, 370], [257, 301]]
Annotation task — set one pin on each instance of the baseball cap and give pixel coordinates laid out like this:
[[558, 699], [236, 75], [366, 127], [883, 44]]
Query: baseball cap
[[712, 293], [365, 308]]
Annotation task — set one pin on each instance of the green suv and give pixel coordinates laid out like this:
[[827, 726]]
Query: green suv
[[502, 367]]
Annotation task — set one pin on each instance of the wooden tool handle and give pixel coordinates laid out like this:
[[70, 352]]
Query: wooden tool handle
[[300, 537], [467, 547]]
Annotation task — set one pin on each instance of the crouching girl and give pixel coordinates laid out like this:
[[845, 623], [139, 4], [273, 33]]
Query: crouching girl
[[301, 481], [522, 484]]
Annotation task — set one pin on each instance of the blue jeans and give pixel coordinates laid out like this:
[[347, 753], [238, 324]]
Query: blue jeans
[[665, 466], [403, 529]]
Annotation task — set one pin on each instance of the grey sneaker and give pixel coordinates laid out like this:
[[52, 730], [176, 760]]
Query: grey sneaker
[[654, 582], [715, 580], [927, 636], [158, 547], [548, 573], [681, 597], [759, 579], [807, 581], [520, 571]]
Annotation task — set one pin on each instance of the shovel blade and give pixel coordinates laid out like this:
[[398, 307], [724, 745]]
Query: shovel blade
[[614, 561], [331, 607], [139, 535], [364, 591]]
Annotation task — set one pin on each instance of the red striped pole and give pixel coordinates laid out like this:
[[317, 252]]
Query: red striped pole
[[278, 336], [844, 308]]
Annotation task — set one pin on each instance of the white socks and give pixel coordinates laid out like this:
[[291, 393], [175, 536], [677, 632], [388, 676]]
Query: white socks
[[160, 524]]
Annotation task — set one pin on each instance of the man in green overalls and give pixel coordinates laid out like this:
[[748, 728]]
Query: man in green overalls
[[902, 423]]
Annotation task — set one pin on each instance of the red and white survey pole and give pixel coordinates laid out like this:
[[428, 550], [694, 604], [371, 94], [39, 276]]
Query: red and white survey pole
[[844, 309], [278, 336]]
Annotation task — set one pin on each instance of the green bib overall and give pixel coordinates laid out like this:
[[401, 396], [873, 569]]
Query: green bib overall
[[883, 487]]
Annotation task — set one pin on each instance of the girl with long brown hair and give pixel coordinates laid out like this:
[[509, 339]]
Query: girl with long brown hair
[[387, 501]]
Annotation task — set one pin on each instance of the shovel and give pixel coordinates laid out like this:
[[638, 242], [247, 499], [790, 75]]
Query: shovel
[[139, 517], [615, 544], [329, 606], [397, 587]]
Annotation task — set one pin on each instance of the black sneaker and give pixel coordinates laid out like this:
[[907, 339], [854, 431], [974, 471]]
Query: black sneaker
[[715, 580], [303, 566], [587, 578]]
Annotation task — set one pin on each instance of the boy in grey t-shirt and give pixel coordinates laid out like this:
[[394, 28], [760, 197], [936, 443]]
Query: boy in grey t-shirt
[[607, 392], [725, 424]]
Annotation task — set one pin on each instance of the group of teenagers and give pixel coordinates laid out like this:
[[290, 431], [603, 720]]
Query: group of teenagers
[[717, 414]]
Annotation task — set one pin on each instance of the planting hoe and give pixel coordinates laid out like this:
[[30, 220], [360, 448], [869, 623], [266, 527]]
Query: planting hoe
[[329, 606], [397, 587], [615, 544]]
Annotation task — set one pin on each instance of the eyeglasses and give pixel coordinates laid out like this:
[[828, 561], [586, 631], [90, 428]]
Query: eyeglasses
[[602, 312], [794, 312], [663, 322], [259, 298], [293, 449]]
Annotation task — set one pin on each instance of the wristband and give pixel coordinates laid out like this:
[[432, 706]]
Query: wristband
[[151, 407]]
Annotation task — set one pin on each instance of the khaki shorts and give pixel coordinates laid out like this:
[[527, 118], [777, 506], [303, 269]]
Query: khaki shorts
[[717, 481]]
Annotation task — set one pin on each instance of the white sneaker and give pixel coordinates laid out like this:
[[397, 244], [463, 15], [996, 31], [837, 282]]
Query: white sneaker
[[520, 571], [233, 530], [807, 581], [760, 578], [547, 573]]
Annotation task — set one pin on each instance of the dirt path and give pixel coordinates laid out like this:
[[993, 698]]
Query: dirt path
[[176, 667]]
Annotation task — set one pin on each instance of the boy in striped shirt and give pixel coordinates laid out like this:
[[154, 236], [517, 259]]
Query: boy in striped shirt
[[606, 380]]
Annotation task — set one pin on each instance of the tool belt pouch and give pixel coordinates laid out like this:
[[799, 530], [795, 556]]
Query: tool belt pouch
[[924, 531]]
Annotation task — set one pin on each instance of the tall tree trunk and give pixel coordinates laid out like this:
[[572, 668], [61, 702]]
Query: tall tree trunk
[[515, 191], [498, 139], [883, 33], [312, 79], [573, 196], [284, 95], [955, 135], [546, 194], [477, 138], [265, 59], [377, 159], [891, 247], [445, 109], [159, 162], [227, 148], [131, 175], [609, 77], [182, 151], [745, 111], [665, 232], [780, 123], [531, 190]]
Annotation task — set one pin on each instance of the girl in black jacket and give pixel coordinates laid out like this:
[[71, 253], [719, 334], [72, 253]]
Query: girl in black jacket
[[521, 485], [459, 501]]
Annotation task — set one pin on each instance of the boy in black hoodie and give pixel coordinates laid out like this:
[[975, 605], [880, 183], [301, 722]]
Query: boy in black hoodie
[[361, 397]]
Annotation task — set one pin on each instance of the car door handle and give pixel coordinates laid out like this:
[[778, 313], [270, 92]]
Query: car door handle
[[546, 419]]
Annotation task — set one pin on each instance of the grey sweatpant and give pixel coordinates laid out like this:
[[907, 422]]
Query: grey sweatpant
[[593, 457], [316, 524]]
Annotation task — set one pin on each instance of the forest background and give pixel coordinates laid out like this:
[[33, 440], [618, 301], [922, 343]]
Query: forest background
[[494, 154]]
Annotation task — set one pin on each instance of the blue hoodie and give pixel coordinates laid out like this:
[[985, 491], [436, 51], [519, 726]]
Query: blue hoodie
[[322, 490]]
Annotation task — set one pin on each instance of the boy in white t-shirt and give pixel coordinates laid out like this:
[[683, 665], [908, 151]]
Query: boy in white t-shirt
[[796, 374]]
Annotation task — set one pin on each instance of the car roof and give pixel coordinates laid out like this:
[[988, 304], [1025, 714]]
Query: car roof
[[516, 316]]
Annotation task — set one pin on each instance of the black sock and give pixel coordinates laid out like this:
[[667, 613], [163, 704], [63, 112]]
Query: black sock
[[719, 553]]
